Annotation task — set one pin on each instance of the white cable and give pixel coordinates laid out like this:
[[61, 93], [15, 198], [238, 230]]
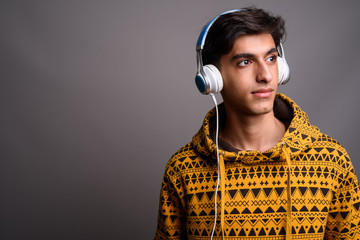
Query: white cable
[[218, 162]]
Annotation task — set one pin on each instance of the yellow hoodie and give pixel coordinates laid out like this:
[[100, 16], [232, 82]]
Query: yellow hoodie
[[305, 187]]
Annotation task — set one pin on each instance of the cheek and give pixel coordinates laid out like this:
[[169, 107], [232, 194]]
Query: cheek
[[276, 72], [234, 85], [236, 78]]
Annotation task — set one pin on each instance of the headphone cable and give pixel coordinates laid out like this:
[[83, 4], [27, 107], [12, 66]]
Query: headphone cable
[[218, 163]]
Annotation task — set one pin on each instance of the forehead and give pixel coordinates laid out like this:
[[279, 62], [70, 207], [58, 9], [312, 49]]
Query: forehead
[[255, 44]]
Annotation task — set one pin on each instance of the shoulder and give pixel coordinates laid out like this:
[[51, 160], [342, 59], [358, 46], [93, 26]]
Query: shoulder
[[331, 144], [333, 152], [181, 161]]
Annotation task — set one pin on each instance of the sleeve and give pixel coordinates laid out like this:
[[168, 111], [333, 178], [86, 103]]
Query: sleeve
[[172, 215], [344, 215]]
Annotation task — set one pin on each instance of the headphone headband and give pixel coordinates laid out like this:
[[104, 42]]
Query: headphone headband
[[201, 40]]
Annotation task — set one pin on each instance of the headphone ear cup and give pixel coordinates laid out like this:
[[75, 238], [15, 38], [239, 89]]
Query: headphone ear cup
[[283, 71], [213, 78]]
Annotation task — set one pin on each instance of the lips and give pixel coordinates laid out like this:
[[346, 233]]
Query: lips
[[263, 92]]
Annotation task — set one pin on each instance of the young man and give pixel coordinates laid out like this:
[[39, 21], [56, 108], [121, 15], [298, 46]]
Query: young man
[[279, 177]]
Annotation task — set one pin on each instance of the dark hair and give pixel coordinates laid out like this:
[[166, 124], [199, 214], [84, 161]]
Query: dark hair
[[228, 27]]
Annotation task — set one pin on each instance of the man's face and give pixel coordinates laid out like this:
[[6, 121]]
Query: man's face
[[250, 74]]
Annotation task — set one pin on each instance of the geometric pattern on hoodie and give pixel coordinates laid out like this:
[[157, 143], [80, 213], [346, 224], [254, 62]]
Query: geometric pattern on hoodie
[[325, 196]]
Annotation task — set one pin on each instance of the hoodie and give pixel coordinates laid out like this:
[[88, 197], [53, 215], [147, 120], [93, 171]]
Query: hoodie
[[304, 187]]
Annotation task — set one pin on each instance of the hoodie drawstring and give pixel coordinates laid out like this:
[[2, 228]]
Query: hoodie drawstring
[[222, 199], [289, 210]]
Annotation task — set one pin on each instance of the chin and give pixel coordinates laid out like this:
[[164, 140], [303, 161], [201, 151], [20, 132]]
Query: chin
[[260, 110]]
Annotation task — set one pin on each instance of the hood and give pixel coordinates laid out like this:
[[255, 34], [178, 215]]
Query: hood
[[299, 136]]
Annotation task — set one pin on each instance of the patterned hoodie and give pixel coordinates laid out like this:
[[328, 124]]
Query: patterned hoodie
[[305, 187]]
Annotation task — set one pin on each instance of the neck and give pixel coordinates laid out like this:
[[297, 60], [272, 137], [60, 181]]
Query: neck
[[252, 132]]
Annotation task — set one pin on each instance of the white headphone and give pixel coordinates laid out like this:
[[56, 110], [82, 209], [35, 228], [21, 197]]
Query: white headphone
[[208, 78]]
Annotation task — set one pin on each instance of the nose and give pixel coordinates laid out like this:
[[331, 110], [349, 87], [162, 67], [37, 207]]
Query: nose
[[263, 73]]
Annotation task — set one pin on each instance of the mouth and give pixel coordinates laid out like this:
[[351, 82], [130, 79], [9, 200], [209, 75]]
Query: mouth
[[263, 92]]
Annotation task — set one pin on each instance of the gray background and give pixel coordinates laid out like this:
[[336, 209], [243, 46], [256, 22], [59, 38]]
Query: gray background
[[95, 97]]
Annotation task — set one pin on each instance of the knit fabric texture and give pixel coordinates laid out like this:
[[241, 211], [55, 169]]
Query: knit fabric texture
[[324, 193]]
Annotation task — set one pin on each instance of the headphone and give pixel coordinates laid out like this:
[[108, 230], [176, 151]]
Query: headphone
[[208, 78]]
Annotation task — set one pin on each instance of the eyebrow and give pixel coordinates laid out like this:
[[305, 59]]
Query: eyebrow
[[250, 55]]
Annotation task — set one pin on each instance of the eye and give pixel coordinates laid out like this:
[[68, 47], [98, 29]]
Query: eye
[[244, 63], [272, 58]]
